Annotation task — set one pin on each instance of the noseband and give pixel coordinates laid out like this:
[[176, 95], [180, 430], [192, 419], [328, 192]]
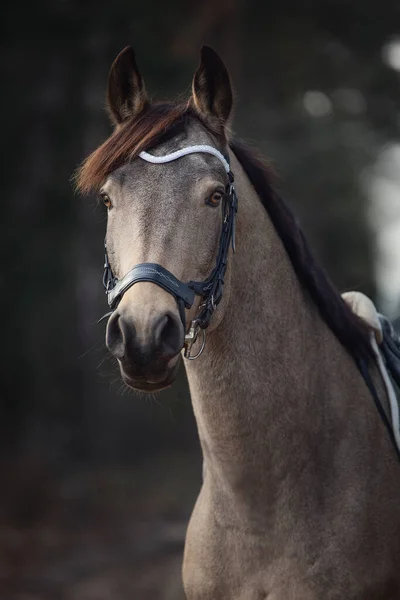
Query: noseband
[[211, 289]]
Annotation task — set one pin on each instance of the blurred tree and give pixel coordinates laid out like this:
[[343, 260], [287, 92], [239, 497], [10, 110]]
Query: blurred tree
[[313, 93]]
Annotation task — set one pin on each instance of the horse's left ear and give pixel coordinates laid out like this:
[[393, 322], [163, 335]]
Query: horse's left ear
[[211, 89]]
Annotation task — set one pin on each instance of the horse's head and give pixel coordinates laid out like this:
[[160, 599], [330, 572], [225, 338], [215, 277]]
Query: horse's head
[[166, 217]]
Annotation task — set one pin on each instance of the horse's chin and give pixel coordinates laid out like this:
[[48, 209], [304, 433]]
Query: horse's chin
[[152, 382]]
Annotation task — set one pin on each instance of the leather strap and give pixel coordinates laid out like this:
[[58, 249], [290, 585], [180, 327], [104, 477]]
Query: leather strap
[[362, 365], [213, 287], [153, 273]]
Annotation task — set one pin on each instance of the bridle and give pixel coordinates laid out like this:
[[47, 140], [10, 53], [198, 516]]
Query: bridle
[[211, 289]]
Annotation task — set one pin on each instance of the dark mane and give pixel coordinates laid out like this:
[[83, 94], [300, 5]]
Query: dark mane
[[350, 330], [160, 122]]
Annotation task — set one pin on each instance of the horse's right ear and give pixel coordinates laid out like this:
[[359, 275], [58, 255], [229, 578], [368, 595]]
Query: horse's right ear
[[126, 95], [211, 89]]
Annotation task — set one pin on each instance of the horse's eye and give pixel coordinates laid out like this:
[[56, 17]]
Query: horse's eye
[[106, 200], [215, 198]]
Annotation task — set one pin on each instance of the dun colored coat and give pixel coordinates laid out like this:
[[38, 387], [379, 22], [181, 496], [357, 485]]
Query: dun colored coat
[[301, 491]]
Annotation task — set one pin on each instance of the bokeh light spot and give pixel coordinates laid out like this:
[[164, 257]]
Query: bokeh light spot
[[317, 104], [391, 54]]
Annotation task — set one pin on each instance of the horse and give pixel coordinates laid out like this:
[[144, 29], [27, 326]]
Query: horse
[[206, 265]]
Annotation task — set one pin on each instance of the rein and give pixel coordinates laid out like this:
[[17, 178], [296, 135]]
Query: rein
[[211, 289]]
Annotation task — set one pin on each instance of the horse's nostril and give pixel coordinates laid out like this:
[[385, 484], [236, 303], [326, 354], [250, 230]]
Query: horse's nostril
[[168, 335], [115, 341]]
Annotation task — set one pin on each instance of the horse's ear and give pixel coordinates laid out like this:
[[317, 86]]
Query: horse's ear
[[126, 94], [211, 88]]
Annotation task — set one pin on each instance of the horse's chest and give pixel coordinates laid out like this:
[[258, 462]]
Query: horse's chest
[[220, 564]]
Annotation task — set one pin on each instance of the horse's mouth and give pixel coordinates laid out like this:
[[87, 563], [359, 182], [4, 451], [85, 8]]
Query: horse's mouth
[[151, 381]]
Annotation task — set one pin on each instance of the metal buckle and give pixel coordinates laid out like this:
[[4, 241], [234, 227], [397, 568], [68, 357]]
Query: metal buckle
[[190, 339]]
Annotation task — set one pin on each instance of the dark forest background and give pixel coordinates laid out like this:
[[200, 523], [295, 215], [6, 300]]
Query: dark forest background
[[96, 483]]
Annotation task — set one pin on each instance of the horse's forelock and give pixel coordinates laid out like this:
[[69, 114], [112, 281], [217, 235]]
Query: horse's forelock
[[158, 123]]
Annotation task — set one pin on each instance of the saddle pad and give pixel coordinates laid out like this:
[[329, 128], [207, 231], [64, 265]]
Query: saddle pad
[[363, 306], [385, 344]]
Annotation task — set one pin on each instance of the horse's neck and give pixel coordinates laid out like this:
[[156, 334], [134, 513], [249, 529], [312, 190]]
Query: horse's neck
[[261, 389]]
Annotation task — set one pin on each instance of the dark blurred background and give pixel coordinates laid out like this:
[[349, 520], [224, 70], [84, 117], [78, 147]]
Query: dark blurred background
[[97, 483]]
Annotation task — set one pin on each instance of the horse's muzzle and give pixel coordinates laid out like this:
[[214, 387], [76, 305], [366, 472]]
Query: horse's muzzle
[[148, 352]]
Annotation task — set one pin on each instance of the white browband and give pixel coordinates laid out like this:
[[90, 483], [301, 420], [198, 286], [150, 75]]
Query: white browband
[[183, 152]]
